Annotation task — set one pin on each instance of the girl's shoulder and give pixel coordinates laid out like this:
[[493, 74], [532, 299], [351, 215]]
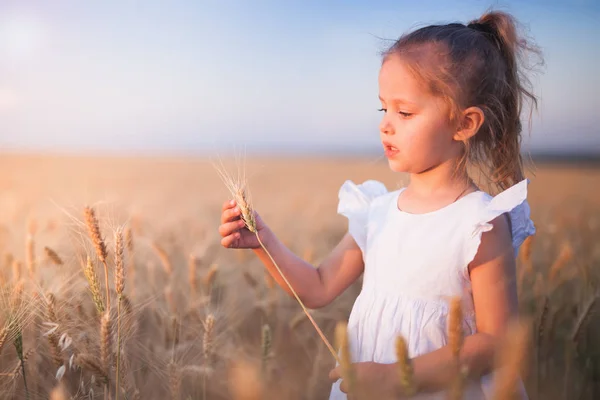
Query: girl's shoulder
[[483, 208]]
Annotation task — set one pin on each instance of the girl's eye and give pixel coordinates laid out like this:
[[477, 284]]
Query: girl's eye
[[404, 114], [382, 109]]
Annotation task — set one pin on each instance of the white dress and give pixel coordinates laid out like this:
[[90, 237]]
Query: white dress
[[413, 264]]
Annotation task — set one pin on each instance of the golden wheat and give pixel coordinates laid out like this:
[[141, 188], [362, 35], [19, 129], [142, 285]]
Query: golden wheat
[[53, 256], [341, 339], [405, 369], [93, 227]]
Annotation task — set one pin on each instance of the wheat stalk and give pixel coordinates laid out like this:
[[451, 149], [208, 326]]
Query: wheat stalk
[[266, 342], [119, 287], [241, 197], [105, 343], [3, 337], [405, 369], [94, 231], [584, 317], [174, 380], [341, 339]]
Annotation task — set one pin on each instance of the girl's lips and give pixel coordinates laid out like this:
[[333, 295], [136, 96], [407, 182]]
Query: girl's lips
[[389, 150]]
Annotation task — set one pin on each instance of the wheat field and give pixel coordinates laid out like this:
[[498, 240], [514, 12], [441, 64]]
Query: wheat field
[[189, 319]]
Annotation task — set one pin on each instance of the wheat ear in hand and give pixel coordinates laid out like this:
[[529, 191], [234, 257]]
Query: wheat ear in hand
[[248, 217]]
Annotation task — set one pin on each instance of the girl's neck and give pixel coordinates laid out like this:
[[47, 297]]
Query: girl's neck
[[441, 180]]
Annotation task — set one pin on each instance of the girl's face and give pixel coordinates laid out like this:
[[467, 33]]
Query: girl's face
[[415, 131]]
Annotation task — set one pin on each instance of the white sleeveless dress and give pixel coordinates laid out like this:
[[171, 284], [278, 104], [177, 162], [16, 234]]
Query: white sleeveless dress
[[413, 264]]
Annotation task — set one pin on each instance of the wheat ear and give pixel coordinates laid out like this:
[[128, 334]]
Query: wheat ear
[[53, 256], [584, 317], [341, 338], [94, 231], [94, 285], [405, 369], [266, 342], [53, 336], [455, 330], [105, 335]]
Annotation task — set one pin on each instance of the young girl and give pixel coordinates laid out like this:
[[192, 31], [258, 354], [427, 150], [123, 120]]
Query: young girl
[[452, 97]]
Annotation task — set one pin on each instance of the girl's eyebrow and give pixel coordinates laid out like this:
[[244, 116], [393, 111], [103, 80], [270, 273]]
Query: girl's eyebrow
[[399, 100]]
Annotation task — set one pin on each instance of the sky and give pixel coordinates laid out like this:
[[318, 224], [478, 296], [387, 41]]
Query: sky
[[202, 76]]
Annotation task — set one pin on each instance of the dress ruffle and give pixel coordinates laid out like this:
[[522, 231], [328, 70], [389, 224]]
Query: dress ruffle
[[354, 202], [512, 201]]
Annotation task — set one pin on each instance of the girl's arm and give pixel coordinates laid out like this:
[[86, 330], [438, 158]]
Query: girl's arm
[[316, 287], [493, 283]]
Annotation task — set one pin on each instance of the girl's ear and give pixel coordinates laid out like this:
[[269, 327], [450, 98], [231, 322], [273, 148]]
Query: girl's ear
[[471, 120]]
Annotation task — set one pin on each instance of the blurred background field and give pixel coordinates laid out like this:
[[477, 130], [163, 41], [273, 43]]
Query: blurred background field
[[119, 105], [172, 207]]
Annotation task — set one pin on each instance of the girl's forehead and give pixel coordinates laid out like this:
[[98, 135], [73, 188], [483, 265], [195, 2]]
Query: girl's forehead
[[397, 81]]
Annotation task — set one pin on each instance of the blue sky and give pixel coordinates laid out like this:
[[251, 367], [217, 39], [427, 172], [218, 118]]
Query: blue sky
[[150, 76]]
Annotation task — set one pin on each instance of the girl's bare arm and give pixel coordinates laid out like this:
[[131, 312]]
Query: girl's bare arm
[[316, 286]]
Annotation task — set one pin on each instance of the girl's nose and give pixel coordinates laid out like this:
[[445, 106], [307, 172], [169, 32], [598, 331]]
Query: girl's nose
[[385, 127]]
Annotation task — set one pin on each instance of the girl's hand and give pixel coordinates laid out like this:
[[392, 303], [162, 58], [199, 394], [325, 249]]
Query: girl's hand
[[373, 380], [233, 231]]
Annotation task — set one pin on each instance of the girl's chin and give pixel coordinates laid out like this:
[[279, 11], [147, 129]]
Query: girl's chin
[[397, 166]]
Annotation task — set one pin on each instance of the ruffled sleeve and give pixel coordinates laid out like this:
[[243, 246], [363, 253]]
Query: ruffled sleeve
[[354, 202], [513, 201]]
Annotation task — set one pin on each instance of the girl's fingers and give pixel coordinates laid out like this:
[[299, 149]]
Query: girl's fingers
[[335, 374], [228, 241], [228, 204], [230, 214], [228, 228]]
